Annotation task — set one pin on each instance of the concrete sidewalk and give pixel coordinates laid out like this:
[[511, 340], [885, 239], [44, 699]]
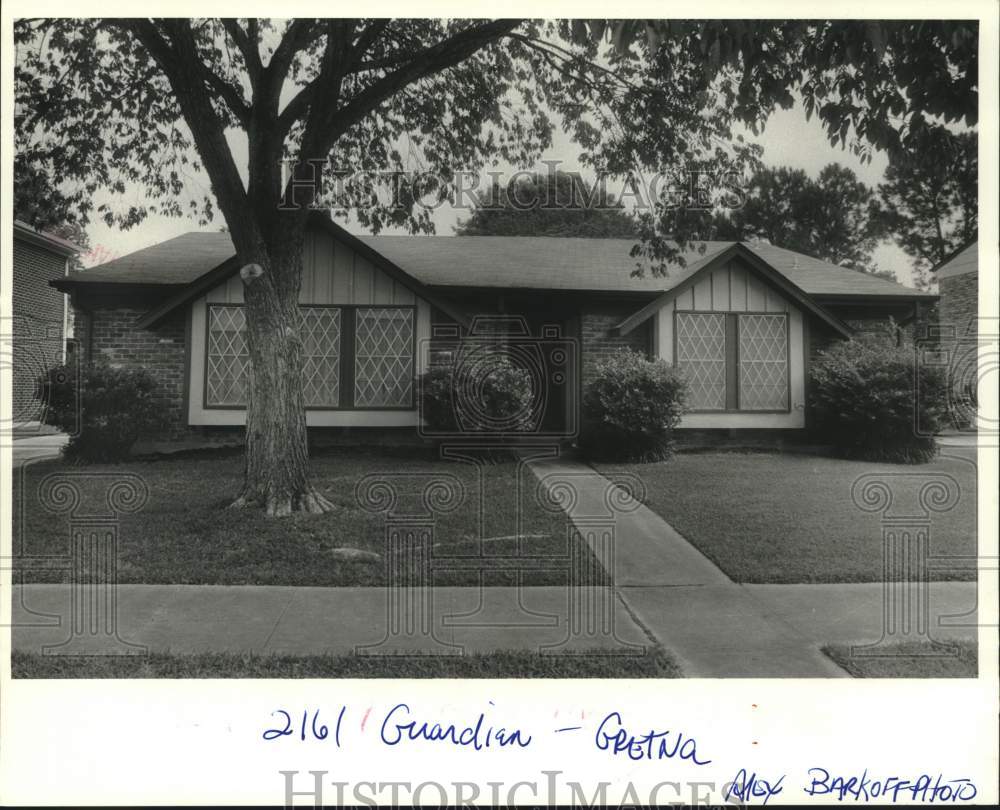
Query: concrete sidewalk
[[777, 631], [646, 551], [715, 627], [33, 448], [313, 621]]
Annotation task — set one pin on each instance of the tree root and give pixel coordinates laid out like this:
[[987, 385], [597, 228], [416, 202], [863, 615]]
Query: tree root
[[309, 502]]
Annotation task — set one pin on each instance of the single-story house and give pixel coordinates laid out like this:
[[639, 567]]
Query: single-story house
[[742, 320], [41, 322]]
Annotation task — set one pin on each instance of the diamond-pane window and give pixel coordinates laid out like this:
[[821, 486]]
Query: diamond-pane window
[[701, 356], [321, 356], [383, 366], [763, 362], [228, 362]]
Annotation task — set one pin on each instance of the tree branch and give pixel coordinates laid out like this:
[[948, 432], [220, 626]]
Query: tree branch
[[246, 41], [444, 54], [178, 58]]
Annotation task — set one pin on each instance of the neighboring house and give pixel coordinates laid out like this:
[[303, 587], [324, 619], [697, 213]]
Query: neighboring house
[[742, 321], [958, 286], [40, 314], [958, 330]]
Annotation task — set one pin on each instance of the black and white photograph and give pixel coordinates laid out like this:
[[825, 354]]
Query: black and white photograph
[[527, 354]]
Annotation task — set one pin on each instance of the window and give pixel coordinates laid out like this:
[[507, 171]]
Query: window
[[321, 356], [383, 376], [228, 362], [763, 363], [351, 357], [701, 354], [734, 361]]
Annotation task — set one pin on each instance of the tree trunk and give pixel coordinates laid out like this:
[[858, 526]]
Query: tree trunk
[[276, 473]]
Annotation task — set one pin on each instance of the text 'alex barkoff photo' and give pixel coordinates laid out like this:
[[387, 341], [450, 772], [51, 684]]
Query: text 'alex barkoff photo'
[[513, 354]]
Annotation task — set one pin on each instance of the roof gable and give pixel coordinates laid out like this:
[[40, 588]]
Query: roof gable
[[756, 265]]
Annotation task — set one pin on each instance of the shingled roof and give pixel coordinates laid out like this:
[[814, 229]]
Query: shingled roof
[[523, 262]]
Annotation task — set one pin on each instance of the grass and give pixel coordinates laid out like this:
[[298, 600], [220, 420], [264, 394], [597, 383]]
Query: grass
[[764, 517], [655, 663], [185, 535], [911, 660]]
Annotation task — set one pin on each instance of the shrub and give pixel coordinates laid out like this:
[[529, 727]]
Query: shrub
[[870, 400], [490, 396], [104, 409], [631, 408]]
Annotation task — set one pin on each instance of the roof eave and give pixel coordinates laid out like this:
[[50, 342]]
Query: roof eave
[[953, 255], [222, 272], [55, 244], [875, 298], [69, 284]]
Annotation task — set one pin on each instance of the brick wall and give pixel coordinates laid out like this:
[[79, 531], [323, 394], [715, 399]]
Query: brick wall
[[109, 335], [959, 305], [597, 343], [37, 324]]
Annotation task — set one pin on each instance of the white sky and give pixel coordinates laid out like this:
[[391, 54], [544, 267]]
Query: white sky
[[788, 140]]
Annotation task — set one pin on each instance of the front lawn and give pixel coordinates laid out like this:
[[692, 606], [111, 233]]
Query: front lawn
[[185, 535], [654, 663], [956, 659], [775, 518]]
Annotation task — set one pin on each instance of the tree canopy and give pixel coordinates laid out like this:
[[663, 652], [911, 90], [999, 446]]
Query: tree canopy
[[930, 199], [548, 204], [834, 217], [112, 103]]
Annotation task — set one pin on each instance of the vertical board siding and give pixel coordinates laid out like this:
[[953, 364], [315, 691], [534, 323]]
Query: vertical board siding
[[756, 295], [738, 288], [383, 288], [720, 289], [703, 293]]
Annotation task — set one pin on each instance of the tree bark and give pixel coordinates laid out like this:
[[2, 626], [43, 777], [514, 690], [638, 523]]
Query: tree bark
[[276, 471]]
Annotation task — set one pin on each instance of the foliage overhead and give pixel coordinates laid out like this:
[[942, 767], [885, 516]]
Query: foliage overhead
[[107, 104]]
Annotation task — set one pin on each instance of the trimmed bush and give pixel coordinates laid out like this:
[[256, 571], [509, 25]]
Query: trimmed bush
[[105, 410], [870, 399], [631, 408], [492, 396]]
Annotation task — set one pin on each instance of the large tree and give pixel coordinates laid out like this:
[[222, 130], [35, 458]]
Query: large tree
[[554, 203], [834, 217], [112, 103], [930, 198]]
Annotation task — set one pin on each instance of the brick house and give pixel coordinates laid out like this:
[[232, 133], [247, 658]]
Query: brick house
[[958, 329], [742, 320], [958, 286], [40, 323]]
